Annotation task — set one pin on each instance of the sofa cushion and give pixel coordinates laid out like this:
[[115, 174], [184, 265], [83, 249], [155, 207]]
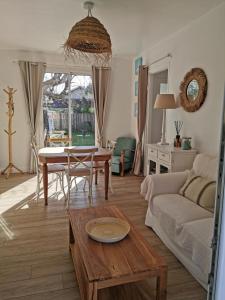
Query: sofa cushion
[[206, 165], [207, 199], [174, 210], [196, 238], [200, 190]]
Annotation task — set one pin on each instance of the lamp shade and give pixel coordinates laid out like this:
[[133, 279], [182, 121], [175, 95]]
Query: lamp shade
[[88, 40], [165, 101]]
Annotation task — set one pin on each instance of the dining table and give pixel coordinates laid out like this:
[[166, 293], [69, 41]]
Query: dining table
[[51, 155]]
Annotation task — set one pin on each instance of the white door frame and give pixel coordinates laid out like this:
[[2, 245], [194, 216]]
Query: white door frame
[[157, 67]]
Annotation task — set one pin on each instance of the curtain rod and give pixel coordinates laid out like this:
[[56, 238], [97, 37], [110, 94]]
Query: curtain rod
[[50, 65], [157, 60], [33, 62], [63, 65]]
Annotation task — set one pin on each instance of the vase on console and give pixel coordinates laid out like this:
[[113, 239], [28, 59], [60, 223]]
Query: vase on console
[[177, 142], [178, 126]]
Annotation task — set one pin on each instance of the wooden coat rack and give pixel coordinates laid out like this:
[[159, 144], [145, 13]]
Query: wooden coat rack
[[8, 170]]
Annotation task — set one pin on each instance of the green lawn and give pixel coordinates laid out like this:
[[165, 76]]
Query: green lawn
[[83, 140]]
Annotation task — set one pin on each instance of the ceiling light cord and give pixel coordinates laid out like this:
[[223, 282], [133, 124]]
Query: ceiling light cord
[[89, 6], [89, 12]]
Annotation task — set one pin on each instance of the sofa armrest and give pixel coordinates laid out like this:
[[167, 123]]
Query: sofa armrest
[[169, 183]]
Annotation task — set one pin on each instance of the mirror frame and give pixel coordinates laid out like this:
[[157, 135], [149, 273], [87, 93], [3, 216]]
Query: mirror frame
[[200, 76]]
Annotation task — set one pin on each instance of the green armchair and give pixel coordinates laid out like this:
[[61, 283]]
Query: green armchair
[[123, 155]]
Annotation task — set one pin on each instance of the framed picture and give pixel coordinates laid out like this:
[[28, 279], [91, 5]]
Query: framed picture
[[136, 88], [135, 112], [137, 63]]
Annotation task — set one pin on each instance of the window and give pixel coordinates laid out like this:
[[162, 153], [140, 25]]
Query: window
[[68, 107]]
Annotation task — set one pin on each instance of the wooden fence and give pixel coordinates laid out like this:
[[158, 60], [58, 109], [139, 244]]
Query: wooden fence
[[80, 121]]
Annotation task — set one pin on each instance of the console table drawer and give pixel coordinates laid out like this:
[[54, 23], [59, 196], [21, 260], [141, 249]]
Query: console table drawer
[[164, 156], [152, 152]]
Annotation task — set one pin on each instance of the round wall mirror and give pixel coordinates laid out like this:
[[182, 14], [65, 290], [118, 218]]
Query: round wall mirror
[[193, 90]]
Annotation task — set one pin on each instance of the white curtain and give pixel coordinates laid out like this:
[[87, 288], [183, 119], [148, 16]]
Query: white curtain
[[141, 118], [32, 78]]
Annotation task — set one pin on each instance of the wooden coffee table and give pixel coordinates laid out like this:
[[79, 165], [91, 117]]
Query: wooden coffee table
[[98, 265]]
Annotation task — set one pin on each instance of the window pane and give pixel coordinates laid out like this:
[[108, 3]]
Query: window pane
[[82, 107], [55, 104], [63, 93]]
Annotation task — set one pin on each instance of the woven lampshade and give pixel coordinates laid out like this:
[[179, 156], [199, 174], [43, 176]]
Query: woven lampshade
[[89, 39]]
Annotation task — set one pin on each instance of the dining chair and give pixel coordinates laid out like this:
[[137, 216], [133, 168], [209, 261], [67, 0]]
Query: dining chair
[[57, 169], [80, 163], [59, 141], [100, 166]]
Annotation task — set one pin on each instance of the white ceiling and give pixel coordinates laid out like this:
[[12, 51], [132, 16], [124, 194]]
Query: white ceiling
[[43, 25]]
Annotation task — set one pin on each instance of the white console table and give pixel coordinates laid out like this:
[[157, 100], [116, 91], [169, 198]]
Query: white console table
[[166, 158]]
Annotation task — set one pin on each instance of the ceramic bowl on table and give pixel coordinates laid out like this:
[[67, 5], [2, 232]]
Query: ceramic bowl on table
[[107, 229]]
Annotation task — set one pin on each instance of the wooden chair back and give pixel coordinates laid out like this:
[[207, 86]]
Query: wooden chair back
[[80, 157], [59, 141]]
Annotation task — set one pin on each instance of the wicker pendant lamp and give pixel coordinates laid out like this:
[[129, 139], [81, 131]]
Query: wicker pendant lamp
[[88, 40]]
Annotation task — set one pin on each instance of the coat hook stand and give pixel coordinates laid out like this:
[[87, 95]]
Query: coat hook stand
[[8, 170]]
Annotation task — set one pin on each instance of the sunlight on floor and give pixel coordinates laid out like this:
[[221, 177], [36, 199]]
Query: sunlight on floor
[[18, 196], [4, 226]]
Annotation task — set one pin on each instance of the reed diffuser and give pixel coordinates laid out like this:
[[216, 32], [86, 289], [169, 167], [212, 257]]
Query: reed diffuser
[[178, 126]]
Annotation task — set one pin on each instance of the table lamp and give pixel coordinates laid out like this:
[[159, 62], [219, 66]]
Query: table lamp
[[164, 101]]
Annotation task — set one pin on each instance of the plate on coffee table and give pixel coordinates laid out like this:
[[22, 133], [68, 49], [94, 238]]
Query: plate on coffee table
[[107, 229]]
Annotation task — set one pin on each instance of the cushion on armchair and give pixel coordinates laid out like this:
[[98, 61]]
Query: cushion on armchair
[[125, 145]]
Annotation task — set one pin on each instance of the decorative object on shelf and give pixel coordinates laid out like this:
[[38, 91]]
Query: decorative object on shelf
[[8, 170], [107, 229], [137, 64], [89, 40], [136, 88], [193, 90], [164, 101], [178, 126], [186, 143]]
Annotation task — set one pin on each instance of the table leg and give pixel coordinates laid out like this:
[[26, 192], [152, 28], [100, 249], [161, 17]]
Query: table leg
[[92, 291], [106, 179], [96, 176], [45, 182], [161, 292], [71, 235]]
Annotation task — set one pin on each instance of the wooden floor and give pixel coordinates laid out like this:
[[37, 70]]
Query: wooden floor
[[35, 263]]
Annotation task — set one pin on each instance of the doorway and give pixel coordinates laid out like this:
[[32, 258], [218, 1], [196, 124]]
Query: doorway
[[158, 84]]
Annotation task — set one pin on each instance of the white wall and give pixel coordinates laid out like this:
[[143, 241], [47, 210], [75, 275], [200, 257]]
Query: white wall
[[119, 108], [200, 44], [118, 121]]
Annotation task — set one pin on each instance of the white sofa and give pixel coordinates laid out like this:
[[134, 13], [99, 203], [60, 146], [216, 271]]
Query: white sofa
[[184, 227]]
